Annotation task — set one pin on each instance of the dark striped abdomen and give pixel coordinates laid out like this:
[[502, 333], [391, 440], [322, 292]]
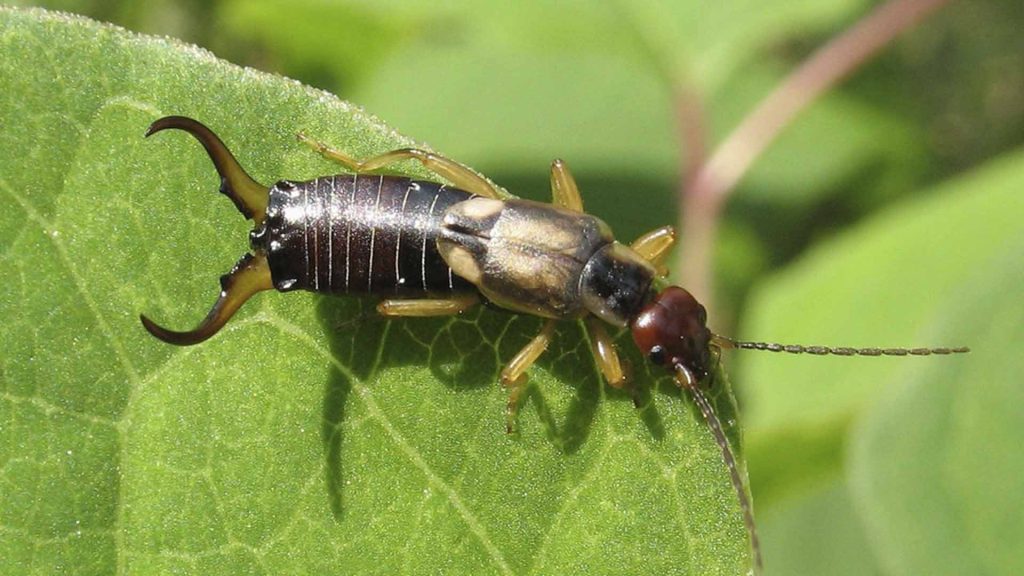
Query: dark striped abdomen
[[359, 234]]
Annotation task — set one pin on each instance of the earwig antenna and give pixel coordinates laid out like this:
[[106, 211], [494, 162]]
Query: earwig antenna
[[686, 379], [729, 343]]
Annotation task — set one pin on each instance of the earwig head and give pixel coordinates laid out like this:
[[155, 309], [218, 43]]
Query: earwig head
[[671, 330], [251, 274]]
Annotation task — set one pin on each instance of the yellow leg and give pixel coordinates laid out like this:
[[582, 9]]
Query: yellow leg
[[427, 307], [605, 355], [512, 376], [563, 187], [459, 175], [654, 246]]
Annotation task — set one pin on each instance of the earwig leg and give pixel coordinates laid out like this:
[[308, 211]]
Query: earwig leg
[[513, 375], [250, 197], [563, 187], [249, 276], [459, 175], [654, 246], [605, 355], [427, 306]]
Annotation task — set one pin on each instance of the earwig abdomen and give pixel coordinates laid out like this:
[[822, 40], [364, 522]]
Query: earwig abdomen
[[361, 233]]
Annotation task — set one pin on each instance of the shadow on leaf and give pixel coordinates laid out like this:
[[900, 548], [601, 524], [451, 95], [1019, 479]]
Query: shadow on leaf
[[464, 353]]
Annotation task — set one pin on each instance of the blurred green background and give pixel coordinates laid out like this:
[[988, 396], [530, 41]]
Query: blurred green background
[[886, 214]]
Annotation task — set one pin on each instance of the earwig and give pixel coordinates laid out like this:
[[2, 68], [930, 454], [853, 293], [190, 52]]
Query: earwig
[[431, 249]]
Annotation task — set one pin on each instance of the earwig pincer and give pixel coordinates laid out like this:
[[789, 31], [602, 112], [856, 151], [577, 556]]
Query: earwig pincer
[[432, 249]]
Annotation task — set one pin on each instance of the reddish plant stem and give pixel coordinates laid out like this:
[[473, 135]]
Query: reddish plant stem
[[706, 185]]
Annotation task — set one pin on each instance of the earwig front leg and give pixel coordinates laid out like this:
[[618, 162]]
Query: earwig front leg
[[607, 359], [654, 247], [564, 191], [426, 307], [605, 355], [459, 175], [512, 376]]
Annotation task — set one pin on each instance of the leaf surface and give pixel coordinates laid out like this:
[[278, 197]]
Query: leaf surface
[[308, 436]]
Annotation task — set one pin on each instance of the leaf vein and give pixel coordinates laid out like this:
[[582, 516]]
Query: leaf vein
[[475, 526]]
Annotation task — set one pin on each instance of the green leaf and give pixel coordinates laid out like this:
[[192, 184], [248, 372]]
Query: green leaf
[[883, 283], [933, 466], [817, 532], [937, 468], [308, 436]]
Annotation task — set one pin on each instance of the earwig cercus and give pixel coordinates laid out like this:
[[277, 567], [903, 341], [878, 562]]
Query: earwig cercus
[[432, 249]]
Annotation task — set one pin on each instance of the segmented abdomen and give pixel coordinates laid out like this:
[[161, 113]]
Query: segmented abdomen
[[359, 234]]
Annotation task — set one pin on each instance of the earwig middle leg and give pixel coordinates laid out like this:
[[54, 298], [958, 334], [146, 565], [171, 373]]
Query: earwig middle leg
[[427, 307], [512, 376], [456, 173], [654, 247], [563, 187]]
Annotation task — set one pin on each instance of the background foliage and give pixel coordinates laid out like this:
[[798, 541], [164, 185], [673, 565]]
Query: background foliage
[[888, 214]]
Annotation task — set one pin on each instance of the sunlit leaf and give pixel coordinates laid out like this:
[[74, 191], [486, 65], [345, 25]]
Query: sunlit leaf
[[308, 436]]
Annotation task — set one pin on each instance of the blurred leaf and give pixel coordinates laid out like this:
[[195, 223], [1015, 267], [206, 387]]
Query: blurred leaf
[[704, 43], [817, 532], [878, 284], [912, 276], [832, 142], [516, 112], [937, 465], [511, 85], [306, 437], [346, 39]]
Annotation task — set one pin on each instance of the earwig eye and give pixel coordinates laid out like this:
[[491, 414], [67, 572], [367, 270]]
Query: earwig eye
[[656, 355]]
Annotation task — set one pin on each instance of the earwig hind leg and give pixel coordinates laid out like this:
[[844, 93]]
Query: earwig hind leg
[[513, 375], [564, 191], [456, 173], [249, 276], [427, 307], [654, 247], [331, 153]]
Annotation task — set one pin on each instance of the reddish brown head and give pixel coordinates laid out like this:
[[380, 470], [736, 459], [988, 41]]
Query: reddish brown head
[[672, 331]]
